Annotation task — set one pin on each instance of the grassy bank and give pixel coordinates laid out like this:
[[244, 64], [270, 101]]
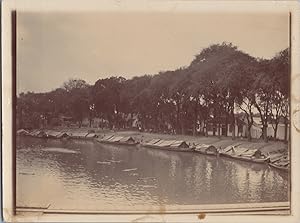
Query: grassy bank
[[219, 142]]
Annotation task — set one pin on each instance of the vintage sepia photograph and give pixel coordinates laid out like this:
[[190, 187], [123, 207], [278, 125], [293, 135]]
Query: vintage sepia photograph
[[152, 112]]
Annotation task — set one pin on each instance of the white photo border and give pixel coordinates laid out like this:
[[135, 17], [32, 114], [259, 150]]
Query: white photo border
[[8, 6]]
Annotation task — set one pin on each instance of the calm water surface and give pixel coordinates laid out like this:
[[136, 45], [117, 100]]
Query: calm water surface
[[88, 175]]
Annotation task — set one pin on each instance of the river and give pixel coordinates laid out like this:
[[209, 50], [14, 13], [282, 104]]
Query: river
[[86, 175]]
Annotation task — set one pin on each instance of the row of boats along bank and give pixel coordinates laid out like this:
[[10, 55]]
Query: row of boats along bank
[[277, 160]]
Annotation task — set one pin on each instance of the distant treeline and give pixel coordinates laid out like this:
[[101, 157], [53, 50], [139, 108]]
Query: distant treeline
[[218, 80]]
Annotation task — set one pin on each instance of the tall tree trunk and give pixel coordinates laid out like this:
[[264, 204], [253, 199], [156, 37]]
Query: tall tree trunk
[[233, 125], [91, 120], [195, 120], [264, 120], [206, 129], [178, 119], [249, 133], [264, 131], [285, 129], [226, 127], [182, 126], [275, 130], [194, 128]]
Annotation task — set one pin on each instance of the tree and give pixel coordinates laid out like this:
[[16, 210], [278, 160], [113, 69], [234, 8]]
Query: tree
[[264, 86], [219, 80], [78, 98], [107, 99], [280, 69], [246, 104], [223, 71], [73, 84]]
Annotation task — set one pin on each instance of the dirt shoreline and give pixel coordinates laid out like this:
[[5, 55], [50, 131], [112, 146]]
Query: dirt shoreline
[[218, 142]]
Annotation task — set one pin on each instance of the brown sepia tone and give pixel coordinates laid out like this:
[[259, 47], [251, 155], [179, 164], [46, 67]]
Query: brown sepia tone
[[211, 130]]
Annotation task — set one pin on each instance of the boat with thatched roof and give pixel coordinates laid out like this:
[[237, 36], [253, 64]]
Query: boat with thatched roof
[[206, 149], [38, 133], [280, 161], [23, 132], [276, 156], [118, 140], [52, 134], [245, 154], [63, 135], [253, 155], [79, 135], [281, 165], [91, 135], [172, 145], [228, 151]]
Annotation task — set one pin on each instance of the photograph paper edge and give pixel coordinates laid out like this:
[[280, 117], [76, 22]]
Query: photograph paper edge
[[34, 5]]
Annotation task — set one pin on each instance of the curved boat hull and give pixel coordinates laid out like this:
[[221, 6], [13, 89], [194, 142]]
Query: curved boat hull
[[118, 143], [248, 159], [167, 148], [279, 167]]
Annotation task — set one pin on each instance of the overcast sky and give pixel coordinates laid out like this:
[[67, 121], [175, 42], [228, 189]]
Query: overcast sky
[[53, 48]]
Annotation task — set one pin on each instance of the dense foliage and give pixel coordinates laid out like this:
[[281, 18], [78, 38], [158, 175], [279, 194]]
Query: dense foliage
[[219, 81]]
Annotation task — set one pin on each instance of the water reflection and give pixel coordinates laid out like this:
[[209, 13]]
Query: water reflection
[[88, 175]]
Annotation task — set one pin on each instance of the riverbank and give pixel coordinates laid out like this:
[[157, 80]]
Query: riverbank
[[219, 142]]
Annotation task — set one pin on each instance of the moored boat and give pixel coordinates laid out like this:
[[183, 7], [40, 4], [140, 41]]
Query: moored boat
[[91, 136], [79, 135], [63, 135], [118, 140], [228, 151], [23, 132], [245, 154], [128, 140], [281, 165], [206, 149], [38, 134], [151, 142], [276, 156], [52, 134], [172, 145], [280, 161], [253, 155], [104, 138]]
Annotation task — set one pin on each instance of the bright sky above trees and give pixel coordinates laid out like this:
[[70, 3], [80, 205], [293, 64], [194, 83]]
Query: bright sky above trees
[[53, 48]]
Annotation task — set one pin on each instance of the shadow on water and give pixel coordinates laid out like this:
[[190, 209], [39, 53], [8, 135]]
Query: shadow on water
[[88, 174]]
